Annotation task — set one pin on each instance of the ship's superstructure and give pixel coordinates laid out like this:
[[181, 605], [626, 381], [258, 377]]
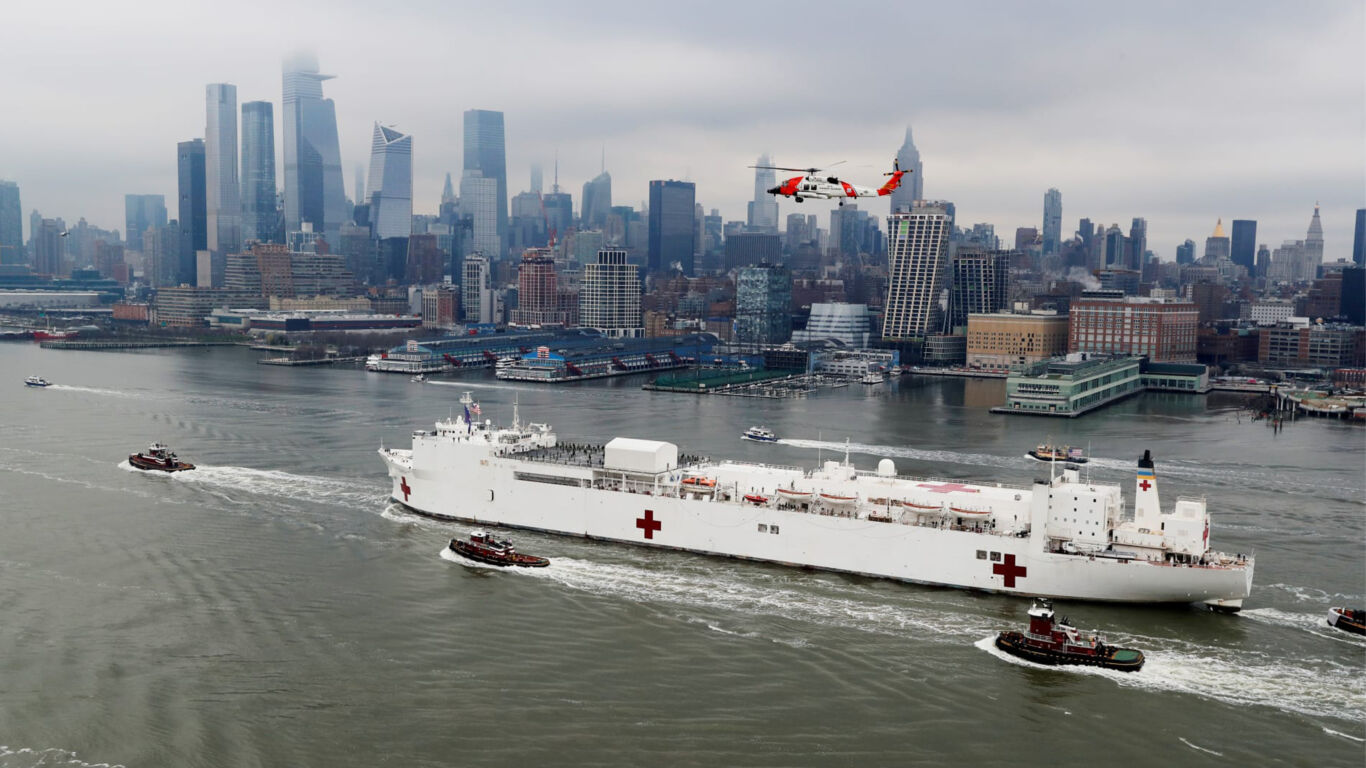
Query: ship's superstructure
[[1062, 536]]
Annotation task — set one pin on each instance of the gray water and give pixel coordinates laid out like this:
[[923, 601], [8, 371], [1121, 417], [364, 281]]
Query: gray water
[[272, 608]]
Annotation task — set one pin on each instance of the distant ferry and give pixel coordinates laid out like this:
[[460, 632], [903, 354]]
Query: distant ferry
[[1061, 537], [760, 435]]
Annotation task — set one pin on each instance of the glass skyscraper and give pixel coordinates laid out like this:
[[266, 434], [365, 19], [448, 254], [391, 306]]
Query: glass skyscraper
[[1052, 222], [193, 216], [486, 153], [223, 197], [1244, 246], [673, 229], [763, 305], [258, 171], [313, 172], [391, 183]]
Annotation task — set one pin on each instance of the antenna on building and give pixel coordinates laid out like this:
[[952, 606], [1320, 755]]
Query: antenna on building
[[604, 159], [555, 188]]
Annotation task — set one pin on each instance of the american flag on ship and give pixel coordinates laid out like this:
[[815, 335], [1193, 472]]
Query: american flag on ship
[[1074, 453], [474, 409]]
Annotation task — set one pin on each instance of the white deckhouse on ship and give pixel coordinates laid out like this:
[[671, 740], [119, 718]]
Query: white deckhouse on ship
[[1061, 537]]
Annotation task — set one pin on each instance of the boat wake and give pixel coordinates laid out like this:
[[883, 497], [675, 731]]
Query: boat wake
[[269, 482], [93, 390], [1314, 623], [24, 757]]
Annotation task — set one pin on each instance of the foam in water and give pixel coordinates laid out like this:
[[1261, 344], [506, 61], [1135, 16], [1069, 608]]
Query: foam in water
[[52, 756], [1197, 746], [271, 482]]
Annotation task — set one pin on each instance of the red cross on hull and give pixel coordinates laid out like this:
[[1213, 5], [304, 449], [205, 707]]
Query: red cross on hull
[[649, 524], [1010, 571], [403, 486]]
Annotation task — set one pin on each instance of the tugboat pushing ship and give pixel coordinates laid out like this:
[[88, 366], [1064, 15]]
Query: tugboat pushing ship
[[1059, 537]]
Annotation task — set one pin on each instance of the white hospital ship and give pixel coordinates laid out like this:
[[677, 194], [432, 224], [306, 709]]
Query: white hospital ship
[[1061, 537]]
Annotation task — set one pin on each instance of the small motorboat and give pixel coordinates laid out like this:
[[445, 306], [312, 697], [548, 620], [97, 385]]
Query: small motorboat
[[1348, 620], [1063, 453], [483, 547], [760, 435], [873, 377], [37, 381], [1055, 642], [158, 458]]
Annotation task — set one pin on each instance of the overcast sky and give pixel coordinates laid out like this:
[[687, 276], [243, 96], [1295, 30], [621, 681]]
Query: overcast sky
[[1180, 112]]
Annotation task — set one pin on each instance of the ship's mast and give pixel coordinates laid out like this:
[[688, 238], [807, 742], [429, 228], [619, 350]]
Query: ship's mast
[[516, 419]]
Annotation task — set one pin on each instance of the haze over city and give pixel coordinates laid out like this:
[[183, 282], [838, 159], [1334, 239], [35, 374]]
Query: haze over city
[[1179, 113]]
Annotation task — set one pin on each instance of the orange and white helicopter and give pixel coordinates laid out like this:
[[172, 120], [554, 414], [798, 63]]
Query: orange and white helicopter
[[814, 184]]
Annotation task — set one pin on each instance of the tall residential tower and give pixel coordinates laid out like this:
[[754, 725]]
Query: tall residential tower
[[486, 153]]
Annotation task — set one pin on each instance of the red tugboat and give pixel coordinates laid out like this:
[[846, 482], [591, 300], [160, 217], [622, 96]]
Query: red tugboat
[[159, 458], [1050, 642], [1348, 620], [482, 547]]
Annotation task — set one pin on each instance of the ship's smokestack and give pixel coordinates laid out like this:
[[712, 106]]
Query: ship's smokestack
[[1147, 506]]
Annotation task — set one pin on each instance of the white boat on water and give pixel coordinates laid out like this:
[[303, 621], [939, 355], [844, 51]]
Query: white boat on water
[[1061, 536], [874, 377], [760, 435], [37, 381]]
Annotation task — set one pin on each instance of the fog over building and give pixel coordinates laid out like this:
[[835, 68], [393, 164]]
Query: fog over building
[[11, 224], [313, 174], [141, 213], [191, 207]]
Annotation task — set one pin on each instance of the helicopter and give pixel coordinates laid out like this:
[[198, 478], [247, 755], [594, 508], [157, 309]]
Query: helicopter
[[813, 185]]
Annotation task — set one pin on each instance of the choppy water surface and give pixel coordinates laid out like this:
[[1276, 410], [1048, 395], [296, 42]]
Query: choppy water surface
[[273, 608]]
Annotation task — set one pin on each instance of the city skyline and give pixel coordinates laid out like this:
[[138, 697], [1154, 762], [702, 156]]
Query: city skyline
[[995, 136]]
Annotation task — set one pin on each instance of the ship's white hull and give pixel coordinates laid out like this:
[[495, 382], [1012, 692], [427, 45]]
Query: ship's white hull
[[487, 490]]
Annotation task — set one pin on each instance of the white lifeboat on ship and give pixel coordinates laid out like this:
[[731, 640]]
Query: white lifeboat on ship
[[792, 494], [919, 507], [969, 512], [838, 501]]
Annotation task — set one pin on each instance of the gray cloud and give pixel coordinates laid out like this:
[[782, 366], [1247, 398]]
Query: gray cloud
[[1178, 112]]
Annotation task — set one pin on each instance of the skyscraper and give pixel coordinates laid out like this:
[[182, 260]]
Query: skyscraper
[[447, 192], [1358, 238], [672, 227], [609, 296], [1052, 222], [258, 171], [192, 210], [476, 298], [1243, 249], [1185, 252], [141, 213], [763, 209], [981, 284], [486, 153], [1138, 243], [1217, 244], [223, 197], [313, 173], [597, 201], [12, 225], [49, 248], [1313, 243], [479, 202], [913, 185], [391, 183], [918, 241], [763, 305]]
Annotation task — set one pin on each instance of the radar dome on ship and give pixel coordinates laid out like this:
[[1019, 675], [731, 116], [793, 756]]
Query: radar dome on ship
[[886, 468]]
